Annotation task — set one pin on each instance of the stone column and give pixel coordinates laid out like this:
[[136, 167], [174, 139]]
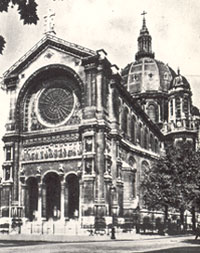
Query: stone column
[[99, 78], [39, 211], [62, 200], [174, 110], [100, 164], [22, 198], [44, 201]]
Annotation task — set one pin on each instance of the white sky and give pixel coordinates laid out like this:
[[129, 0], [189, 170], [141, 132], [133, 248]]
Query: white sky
[[113, 25]]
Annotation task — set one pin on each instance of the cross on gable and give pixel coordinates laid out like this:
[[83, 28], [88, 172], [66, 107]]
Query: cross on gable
[[49, 22]]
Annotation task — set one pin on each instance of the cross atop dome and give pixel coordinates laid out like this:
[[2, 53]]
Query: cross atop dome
[[144, 13], [49, 23], [144, 20]]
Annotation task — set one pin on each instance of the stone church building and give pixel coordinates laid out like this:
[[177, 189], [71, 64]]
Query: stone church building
[[80, 133]]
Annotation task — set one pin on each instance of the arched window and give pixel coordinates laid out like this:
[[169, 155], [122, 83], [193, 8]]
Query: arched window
[[116, 105], [132, 163], [152, 142], [178, 107], [171, 107], [124, 119], [132, 130], [146, 139], [156, 146], [152, 112], [139, 129]]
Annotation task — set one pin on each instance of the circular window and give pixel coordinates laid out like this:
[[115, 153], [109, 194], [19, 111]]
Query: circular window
[[55, 105]]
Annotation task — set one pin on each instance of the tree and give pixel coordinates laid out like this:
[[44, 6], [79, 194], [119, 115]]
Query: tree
[[174, 180], [27, 10]]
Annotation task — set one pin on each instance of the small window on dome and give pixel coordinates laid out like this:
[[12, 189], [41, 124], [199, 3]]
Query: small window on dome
[[166, 76], [150, 75], [135, 78], [152, 112]]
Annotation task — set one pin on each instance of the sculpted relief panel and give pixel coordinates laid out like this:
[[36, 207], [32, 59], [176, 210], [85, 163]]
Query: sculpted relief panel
[[52, 152]]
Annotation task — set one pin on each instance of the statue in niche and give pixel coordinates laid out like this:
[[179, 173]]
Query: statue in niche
[[109, 167], [33, 155], [88, 144], [41, 155], [79, 149], [7, 173], [28, 155], [88, 166], [60, 153], [64, 152], [46, 155], [70, 150], [36, 155], [55, 153], [119, 173], [50, 153], [74, 150], [107, 146]]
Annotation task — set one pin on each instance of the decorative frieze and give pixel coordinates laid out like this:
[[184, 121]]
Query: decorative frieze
[[51, 139], [52, 151]]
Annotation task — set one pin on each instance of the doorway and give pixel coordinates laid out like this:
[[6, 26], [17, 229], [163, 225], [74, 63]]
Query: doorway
[[32, 197], [53, 189], [72, 183]]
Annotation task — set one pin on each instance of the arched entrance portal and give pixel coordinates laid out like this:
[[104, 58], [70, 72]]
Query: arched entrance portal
[[72, 196], [32, 197], [53, 188]]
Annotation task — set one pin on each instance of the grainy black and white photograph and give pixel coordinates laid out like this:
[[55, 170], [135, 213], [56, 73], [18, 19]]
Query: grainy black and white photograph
[[100, 126]]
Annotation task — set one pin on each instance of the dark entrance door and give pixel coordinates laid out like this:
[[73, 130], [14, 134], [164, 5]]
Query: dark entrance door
[[53, 189], [73, 195], [32, 197]]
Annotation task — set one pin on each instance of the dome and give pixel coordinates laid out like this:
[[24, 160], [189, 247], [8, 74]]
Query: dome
[[179, 81], [147, 75], [195, 111]]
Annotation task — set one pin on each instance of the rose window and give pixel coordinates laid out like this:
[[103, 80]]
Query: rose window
[[55, 105]]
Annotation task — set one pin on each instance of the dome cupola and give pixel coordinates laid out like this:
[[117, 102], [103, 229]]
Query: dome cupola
[[144, 42], [179, 82]]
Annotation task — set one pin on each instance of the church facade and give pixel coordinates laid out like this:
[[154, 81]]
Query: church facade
[[80, 134]]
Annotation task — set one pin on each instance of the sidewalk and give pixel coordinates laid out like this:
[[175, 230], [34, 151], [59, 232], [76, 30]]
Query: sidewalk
[[82, 238]]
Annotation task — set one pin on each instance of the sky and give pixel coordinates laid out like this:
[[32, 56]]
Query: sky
[[113, 25]]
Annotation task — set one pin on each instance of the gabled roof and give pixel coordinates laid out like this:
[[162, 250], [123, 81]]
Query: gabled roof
[[48, 40]]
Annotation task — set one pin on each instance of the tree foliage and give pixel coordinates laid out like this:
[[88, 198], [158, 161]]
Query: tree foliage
[[27, 10], [173, 180]]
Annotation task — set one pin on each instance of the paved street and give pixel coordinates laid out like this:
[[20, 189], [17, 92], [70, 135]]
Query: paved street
[[168, 245]]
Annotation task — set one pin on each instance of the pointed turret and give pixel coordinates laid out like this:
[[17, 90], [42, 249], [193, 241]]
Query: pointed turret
[[144, 42]]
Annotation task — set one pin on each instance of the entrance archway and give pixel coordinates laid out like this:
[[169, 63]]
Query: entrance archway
[[53, 189], [32, 197], [72, 195]]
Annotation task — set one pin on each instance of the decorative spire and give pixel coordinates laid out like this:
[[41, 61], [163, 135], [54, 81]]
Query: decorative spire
[[144, 20], [49, 23], [144, 41]]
